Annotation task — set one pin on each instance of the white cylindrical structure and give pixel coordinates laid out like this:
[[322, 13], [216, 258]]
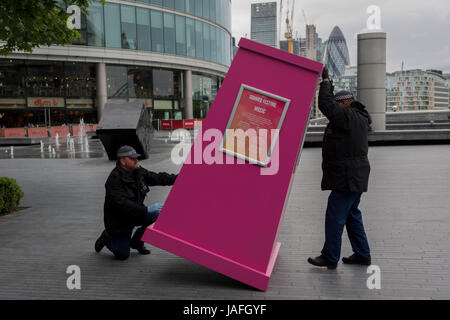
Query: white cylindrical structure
[[102, 95], [372, 76], [188, 107]]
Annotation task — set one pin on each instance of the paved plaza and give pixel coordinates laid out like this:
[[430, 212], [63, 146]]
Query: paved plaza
[[406, 215]]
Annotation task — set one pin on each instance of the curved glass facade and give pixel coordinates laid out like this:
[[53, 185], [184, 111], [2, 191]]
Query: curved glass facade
[[336, 53], [127, 25], [48, 92]]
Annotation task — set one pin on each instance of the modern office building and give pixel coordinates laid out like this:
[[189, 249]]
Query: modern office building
[[295, 45], [171, 55], [263, 26], [336, 55], [416, 90], [319, 49], [311, 42]]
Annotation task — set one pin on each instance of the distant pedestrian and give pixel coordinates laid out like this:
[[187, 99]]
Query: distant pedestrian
[[124, 208], [346, 171]]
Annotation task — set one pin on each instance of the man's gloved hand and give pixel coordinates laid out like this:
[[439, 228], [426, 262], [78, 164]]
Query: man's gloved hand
[[325, 73], [155, 208]]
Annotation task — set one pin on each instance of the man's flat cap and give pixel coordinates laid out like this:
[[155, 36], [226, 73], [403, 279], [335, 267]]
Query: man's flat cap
[[127, 151], [343, 95]]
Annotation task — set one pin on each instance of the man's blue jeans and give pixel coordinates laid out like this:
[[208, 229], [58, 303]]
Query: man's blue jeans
[[120, 245], [342, 210]]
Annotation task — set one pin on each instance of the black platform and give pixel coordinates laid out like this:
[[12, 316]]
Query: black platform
[[127, 123]]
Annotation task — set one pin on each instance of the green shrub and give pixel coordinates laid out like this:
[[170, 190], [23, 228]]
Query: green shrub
[[10, 194]]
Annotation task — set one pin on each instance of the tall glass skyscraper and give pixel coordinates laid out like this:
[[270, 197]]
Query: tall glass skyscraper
[[336, 55], [264, 23]]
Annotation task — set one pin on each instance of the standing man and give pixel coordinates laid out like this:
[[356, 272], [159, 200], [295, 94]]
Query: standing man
[[346, 171], [124, 208]]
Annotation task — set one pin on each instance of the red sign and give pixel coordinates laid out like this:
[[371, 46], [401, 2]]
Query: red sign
[[45, 102], [257, 110], [166, 124], [188, 124]]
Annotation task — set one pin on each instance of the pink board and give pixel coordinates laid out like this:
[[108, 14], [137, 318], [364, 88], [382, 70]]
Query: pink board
[[226, 216]]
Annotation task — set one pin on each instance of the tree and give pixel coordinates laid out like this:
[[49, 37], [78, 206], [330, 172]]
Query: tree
[[27, 24]]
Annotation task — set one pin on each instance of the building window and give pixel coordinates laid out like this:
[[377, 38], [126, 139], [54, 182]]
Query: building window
[[112, 25], [198, 8], [80, 80], [141, 81], [117, 81], [190, 37], [190, 6], [219, 45], [179, 5], [169, 3], [45, 79], [143, 29], [157, 31], [96, 35], [157, 2], [163, 84], [82, 40], [169, 33], [12, 78], [206, 9], [212, 35], [198, 39], [206, 42], [212, 10], [180, 23], [128, 27]]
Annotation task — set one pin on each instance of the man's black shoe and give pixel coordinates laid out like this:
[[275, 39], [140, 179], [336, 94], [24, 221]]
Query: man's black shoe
[[322, 262], [141, 249], [354, 259], [99, 244]]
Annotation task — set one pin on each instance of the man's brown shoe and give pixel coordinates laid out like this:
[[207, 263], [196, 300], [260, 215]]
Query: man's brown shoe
[[320, 261]]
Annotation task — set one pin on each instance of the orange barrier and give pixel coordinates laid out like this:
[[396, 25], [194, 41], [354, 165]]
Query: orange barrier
[[76, 129], [94, 127], [14, 132], [39, 132], [62, 131]]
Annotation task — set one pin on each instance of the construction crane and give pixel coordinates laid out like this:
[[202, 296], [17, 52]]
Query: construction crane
[[289, 24]]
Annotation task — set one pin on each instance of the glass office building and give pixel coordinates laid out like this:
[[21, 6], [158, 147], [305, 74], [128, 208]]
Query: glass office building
[[336, 55], [169, 54], [264, 23], [412, 90]]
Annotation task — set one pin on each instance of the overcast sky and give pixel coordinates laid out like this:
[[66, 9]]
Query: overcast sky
[[418, 32]]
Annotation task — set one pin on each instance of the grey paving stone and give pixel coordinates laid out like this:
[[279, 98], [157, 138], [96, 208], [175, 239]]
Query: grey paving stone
[[405, 214]]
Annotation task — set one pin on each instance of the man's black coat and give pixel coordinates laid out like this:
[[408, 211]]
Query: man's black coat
[[345, 144], [125, 193]]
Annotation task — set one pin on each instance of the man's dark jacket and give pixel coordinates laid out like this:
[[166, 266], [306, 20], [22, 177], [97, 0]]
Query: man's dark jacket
[[345, 145], [125, 193]]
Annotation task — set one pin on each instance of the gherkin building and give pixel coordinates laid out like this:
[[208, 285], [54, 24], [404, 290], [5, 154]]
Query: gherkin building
[[336, 55]]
